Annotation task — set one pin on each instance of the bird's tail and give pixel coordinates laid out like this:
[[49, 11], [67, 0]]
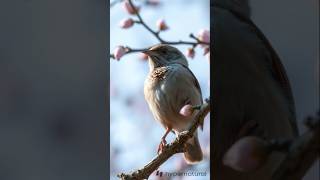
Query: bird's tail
[[193, 153]]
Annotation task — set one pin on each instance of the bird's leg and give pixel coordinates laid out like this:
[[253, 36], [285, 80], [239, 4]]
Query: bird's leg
[[163, 142]]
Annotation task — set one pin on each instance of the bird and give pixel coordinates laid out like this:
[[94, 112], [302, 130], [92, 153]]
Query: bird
[[169, 86], [251, 92]]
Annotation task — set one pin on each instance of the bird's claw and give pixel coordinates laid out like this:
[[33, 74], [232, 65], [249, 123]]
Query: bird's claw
[[183, 133], [162, 145]]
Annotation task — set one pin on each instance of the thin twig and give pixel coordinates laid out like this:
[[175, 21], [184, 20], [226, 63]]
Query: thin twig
[[156, 34], [302, 153], [141, 21], [130, 50], [177, 146]]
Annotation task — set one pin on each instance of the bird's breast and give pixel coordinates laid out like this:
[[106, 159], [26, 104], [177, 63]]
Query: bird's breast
[[159, 96]]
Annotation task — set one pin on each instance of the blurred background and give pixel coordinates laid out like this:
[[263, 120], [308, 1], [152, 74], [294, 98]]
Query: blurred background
[[53, 89], [292, 26], [54, 78], [134, 134]]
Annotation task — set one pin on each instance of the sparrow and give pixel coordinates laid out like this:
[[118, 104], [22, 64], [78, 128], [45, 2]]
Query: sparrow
[[251, 91], [169, 86]]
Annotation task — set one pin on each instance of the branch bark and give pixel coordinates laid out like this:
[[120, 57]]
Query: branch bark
[[302, 154], [177, 146]]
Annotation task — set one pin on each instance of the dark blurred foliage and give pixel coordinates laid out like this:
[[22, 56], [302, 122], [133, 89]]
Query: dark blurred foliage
[[53, 89]]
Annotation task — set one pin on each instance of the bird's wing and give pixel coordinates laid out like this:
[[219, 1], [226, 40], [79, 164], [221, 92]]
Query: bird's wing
[[197, 85], [279, 74], [196, 82], [167, 89], [245, 64], [277, 67]]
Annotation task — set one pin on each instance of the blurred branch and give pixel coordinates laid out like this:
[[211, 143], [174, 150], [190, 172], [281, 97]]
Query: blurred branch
[[302, 153], [251, 152], [177, 146], [156, 34]]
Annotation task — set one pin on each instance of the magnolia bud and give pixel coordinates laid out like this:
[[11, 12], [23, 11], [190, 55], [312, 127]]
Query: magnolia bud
[[186, 110], [247, 154], [119, 52], [126, 23], [206, 51], [161, 24], [204, 36], [131, 10], [190, 53], [143, 56]]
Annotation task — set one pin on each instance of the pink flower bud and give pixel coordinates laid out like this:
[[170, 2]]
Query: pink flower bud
[[126, 23], [129, 8], [161, 24], [206, 51], [186, 110], [204, 36], [247, 154], [208, 57], [190, 53], [119, 52], [143, 56]]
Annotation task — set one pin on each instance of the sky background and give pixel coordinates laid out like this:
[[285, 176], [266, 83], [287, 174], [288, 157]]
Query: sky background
[[135, 134]]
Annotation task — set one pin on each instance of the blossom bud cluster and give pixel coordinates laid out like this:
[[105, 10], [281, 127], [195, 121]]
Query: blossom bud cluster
[[203, 36]]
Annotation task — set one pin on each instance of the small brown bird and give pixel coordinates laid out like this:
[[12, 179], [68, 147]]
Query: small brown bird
[[170, 86], [252, 95]]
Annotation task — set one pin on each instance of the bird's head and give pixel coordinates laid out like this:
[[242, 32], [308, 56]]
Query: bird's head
[[163, 54]]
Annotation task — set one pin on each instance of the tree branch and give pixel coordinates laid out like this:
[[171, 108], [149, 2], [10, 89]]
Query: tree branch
[[177, 146], [156, 34], [302, 153]]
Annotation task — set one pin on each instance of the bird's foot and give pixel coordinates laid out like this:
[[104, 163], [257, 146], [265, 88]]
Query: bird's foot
[[162, 145], [183, 134]]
